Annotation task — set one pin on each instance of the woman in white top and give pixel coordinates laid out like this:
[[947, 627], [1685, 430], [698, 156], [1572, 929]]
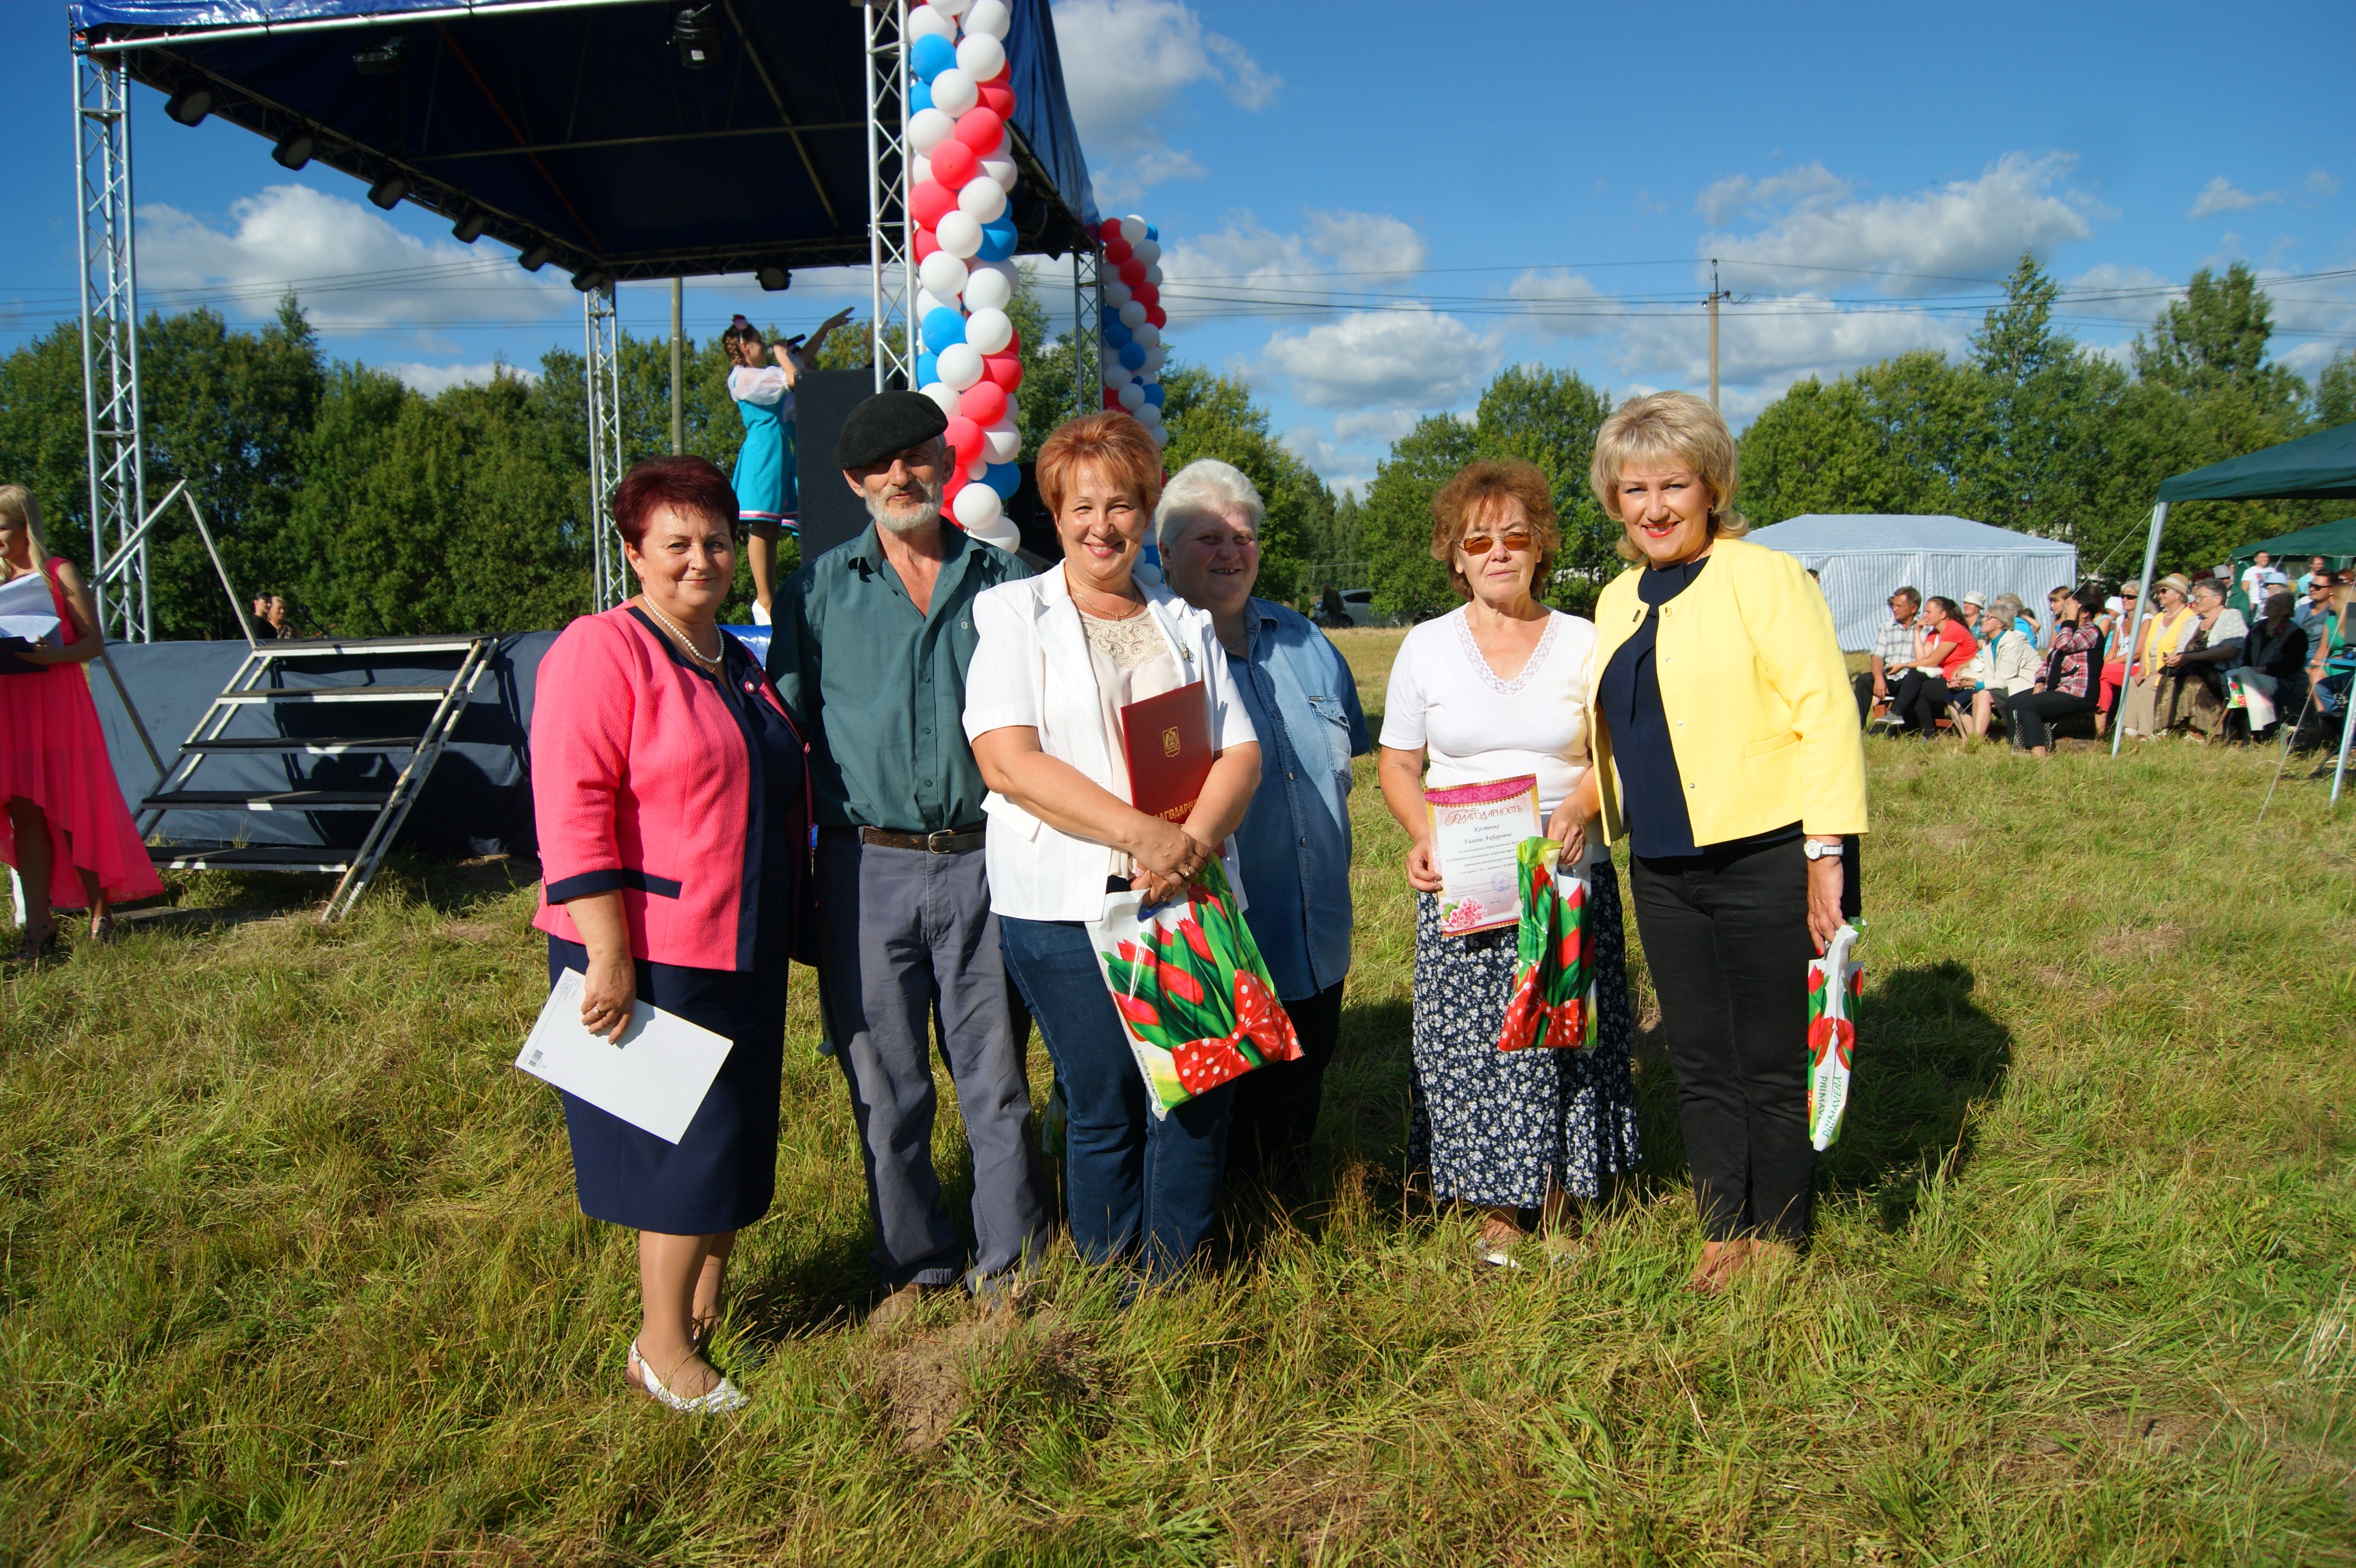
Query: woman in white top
[[768, 491], [1497, 690], [1056, 658], [2007, 659]]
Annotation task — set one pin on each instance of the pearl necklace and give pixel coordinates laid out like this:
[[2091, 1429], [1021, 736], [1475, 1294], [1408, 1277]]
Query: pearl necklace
[[711, 661]]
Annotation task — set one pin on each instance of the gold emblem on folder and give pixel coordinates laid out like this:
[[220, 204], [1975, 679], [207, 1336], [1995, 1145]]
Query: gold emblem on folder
[[1170, 742]]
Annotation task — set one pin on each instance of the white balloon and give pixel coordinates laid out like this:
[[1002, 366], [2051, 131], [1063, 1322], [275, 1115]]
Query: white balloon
[[982, 198], [1002, 442], [989, 330], [951, 7], [954, 92], [980, 56], [944, 274], [1160, 433], [978, 469], [1132, 228], [960, 366], [990, 16], [1132, 397], [1132, 316], [1148, 337], [986, 288], [929, 128], [1001, 170], [1155, 358], [1153, 275], [1116, 293], [1147, 250], [931, 22], [959, 233], [976, 506], [920, 169], [1013, 416], [927, 301], [944, 394], [1147, 414]]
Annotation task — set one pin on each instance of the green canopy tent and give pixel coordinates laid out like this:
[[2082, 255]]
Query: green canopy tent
[[2321, 466], [2335, 541]]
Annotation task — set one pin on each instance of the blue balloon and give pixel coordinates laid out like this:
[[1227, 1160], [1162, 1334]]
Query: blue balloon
[[1133, 354], [928, 368], [1153, 394], [943, 327], [1003, 478], [1151, 232], [1116, 332], [920, 97], [998, 238], [933, 55]]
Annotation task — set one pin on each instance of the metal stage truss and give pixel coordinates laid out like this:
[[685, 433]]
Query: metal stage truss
[[602, 365], [891, 234], [110, 347], [1087, 331]]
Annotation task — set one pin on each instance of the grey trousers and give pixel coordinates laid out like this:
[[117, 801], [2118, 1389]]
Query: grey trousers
[[906, 937]]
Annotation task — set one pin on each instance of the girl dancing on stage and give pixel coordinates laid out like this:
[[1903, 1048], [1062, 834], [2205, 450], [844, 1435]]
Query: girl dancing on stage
[[767, 493]]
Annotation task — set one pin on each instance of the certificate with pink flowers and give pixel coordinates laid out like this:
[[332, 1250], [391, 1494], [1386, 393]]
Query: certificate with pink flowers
[[1476, 829]]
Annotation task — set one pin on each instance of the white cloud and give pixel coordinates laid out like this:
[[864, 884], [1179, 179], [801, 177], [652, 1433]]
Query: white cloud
[[1808, 182], [435, 379], [2124, 293], [2221, 196], [2321, 184], [1344, 470], [351, 268], [2313, 320], [1383, 425], [1918, 242], [1246, 269], [1119, 184], [1124, 62], [1411, 356], [1563, 305], [1766, 345]]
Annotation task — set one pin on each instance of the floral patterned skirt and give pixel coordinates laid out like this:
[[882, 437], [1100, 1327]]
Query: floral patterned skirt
[[1503, 1128]]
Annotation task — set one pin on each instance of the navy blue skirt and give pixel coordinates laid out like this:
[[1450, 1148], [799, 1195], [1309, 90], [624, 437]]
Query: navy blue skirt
[[722, 1172]]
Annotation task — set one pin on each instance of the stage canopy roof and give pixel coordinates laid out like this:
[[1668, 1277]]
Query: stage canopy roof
[[572, 124], [2321, 466], [2337, 540]]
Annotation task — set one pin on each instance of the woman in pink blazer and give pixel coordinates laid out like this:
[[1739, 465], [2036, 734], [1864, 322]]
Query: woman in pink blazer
[[672, 800]]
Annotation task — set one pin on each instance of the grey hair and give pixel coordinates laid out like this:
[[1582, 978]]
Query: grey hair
[[1205, 485], [2002, 600]]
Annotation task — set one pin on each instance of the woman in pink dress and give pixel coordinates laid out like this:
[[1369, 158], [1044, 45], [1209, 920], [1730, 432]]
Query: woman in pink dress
[[66, 830]]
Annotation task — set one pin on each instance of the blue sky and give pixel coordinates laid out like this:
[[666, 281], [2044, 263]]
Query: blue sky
[[1368, 210]]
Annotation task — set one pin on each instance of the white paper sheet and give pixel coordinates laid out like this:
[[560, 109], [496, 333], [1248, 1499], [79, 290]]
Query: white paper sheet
[[26, 610], [656, 1079]]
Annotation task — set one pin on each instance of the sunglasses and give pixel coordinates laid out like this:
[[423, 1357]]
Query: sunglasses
[[1482, 544]]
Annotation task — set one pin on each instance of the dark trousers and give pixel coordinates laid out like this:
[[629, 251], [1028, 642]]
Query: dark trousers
[[1133, 1181], [1863, 686], [1919, 698], [1726, 938], [2032, 712], [1275, 1106]]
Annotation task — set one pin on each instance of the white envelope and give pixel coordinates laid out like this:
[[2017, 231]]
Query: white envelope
[[656, 1079]]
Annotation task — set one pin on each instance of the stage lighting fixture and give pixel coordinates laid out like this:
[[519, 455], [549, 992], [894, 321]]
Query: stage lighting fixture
[[190, 105], [697, 33], [387, 192], [537, 257], [590, 278], [469, 227], [381, 61], [774, 278], [295, 150]]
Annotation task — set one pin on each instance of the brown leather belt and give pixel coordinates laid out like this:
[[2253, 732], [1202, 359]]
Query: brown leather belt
[[950, 840]]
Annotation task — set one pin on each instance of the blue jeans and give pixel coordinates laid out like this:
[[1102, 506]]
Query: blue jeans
[[1133, 1182]]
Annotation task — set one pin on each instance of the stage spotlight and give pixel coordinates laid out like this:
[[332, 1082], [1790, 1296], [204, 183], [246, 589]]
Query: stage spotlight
[[697, 33], [295, 150], [469, 227], [190, 105], [592, 276], [387, 192], [774, 278], [381, 61], [537, 257]]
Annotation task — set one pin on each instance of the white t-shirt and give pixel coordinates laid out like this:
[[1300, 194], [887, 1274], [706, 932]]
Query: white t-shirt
[[1473, 727], [764, 385]]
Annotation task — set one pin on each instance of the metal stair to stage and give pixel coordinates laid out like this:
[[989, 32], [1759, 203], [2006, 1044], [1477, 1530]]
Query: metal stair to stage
[[331, 664]]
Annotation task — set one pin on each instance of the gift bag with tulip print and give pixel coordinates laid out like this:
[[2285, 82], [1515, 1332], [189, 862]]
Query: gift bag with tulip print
[[1191, 989], [1836, 988], [1553, 1003]]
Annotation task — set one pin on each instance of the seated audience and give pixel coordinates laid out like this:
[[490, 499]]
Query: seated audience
[[2119, 626], [2066, 683], [1893, 650], [2166, 626], [2193, 692], [2010, 659], [2316, 604], [2273, 662], [2315, 567], [1921, 693]]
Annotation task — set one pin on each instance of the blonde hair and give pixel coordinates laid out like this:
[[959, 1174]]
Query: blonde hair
[[17, 502], [1681, 428]]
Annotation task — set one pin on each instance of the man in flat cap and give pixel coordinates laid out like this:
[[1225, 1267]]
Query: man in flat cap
[[869, 650]]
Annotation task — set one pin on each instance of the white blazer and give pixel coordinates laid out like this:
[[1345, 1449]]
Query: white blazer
[[1031, 669]]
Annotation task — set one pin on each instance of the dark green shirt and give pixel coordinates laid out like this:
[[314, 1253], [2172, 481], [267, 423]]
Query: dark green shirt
[[878, 689]]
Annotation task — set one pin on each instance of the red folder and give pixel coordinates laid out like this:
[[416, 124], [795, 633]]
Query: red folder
[[1167, 740]]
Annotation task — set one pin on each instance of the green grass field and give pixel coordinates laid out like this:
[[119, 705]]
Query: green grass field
[[293, 1272]]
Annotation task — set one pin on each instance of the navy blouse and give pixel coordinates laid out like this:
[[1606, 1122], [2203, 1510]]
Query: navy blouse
[[1652, 794]]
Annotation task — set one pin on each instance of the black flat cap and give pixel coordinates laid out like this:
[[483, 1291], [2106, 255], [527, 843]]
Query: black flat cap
[[887, 422]]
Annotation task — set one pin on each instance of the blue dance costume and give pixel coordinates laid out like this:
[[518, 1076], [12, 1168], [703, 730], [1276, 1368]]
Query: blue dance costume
[[765, 483]]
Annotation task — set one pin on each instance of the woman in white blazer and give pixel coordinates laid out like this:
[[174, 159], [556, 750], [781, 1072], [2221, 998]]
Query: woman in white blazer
[[1055, 659]]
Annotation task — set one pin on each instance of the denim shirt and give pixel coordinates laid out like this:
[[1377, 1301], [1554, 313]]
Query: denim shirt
[[1294, 845]]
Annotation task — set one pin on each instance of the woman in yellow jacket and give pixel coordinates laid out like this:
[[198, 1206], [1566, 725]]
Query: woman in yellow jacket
[[1728, 753]]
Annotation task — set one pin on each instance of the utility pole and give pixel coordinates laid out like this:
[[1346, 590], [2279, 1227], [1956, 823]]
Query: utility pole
[[679, 366], [1716, 293]]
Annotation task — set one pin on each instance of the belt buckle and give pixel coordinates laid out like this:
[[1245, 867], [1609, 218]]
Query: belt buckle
[[937, 842]]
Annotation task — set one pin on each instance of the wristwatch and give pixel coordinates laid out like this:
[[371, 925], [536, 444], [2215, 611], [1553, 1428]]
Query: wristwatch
[[1817, 849]]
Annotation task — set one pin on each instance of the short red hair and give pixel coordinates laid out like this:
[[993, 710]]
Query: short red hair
[[1117, 444], [690, 483]]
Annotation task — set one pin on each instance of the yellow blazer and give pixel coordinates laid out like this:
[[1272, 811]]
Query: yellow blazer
[[1760, 714]]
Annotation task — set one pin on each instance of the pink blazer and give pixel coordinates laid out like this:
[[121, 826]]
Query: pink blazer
[[640, 782]]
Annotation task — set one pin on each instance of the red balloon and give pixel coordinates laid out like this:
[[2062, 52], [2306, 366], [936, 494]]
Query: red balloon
[[1146, 295], [1117, 251], [931, 201], [1013, 343], [927, 244], [964, 436], [981, 128], [1005, 72], [984, 402], [1159, 316], [953, 164], [998, 98], [1110, 229], [1132, 272], [1112, 401], [1004, 368]]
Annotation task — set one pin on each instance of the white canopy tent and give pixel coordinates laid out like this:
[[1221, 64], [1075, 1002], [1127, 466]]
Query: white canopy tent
[[1864, 557]]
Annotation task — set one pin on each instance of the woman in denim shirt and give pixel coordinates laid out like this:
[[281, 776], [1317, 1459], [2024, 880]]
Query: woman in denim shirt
[[1294, 845]]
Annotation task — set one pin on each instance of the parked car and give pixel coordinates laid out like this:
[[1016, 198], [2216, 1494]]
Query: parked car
[[1350, 606]]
